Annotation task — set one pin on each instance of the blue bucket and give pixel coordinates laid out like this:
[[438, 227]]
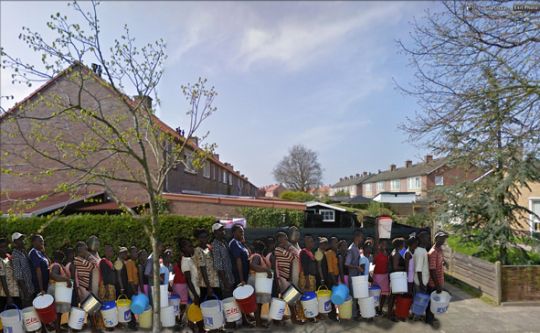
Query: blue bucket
[[139, 303], [420, 304], [339, 294], [308, 295]]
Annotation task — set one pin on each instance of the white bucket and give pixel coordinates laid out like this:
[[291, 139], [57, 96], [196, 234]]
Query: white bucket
[[76, 318], [311, 307], [110, 316], [398, 282], [31, 319], [385, 227], [232, 310], [164, 295], [263, 285], [12, 321], [212, 312], [62, 294], [167, 317], [325, 304], [440, 302], [367, 307], [360, 285], [174, 300], [124, 309], [376, 294], [277, 309]]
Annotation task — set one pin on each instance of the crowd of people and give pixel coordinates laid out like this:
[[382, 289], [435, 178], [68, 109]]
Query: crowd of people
[[212, 267]]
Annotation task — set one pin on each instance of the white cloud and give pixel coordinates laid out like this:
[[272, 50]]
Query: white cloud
[[328, 136]]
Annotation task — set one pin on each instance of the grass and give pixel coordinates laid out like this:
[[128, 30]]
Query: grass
[[474, 292]]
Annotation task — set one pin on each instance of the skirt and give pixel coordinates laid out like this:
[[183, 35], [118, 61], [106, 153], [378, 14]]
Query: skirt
[[383, 282], [181, 289], [311, 283]]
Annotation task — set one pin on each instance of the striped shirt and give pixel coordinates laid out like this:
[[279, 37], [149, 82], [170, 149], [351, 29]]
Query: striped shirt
[[22, 270], [83, 270], [284, 259], [222, 259], [436, 261]]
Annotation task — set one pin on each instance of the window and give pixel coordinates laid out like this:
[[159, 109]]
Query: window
[[206, 170], [230, 179], [224, 179], [395, 185], [439, 180], [328, 215], [414, 183], [368, 188], [188, 163], [380, 186], [534, 206]]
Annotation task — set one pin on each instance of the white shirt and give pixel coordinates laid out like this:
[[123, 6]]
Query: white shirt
[[165, 271], [187, 265], [421, 264]]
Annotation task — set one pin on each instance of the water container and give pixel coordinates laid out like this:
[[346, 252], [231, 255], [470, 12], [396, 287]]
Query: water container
[[124, 312], [277, 309], [339, 294], [440, 302], [385, 226], [212, 312], [139, 303], [164, 295], [310, 304], [62, 294], [263, 285], [375, 292], [109, 312], [12, 320], [174, 300], [76, 318], [360, 286], [232, 310], [167, 317], [367, 307], [31, 319], [345, 309], [245, 298], [323, 298], [145, 319], [398, 282], [420, 303]]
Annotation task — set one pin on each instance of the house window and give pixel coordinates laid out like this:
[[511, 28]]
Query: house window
[[534, 206], [206, 170], [439, 180], [188, 163], [414, 183], [395, 184], [380, 186], [224, 179], [328, 215], [368, 188], [230, 179]]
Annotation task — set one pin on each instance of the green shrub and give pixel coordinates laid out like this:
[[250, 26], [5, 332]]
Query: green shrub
[[375, 209], [118, 230], [272, 217], [419, 220], [297, 196]]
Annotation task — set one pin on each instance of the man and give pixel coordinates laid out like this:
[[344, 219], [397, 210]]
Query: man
[[149, 269], [9, 291], [123, 285], [436, 270], [22, 270], [222, 259], [351, 262], [421, 263]]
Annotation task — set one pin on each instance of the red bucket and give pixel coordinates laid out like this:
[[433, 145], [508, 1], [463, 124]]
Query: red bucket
[[45, 308], [245, 298], [403, 305]]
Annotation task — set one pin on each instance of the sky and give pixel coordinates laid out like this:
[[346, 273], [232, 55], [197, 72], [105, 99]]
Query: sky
[[320, 74]]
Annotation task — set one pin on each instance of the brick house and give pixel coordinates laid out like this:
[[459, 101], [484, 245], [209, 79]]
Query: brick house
[[419, 178], [216, 177], [351, 185], [271, 191]]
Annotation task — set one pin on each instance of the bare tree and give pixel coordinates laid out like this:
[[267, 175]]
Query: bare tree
[[300, 170], [86, 132], [477, 67]]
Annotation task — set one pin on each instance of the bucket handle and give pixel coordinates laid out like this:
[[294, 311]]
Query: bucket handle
[[16, 307], [325, 288], [217, 299], [120, 297]]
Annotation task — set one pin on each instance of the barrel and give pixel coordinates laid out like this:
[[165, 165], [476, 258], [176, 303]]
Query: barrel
[[212, 312], [12, 320], [109, 312], [231, 310], [31, 319], [398, 282], [310, 304], [76, 318], [440, 302], [367, 307], [323, 298], [420, 303], [45, 308], [245, 297], [360, 286], [277, 309]]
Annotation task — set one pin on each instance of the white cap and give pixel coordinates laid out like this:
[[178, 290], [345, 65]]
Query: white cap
[[16, 235], [216, 226]]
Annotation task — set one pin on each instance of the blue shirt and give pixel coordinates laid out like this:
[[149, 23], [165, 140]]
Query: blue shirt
[[39, 260], [364, 261], [239, 250]]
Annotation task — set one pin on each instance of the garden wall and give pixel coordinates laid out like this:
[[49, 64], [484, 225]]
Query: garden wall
[[520, 283]]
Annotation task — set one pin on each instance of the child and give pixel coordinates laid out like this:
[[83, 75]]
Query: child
[[164, 267], [192, 276], [123, 286], [342, 255], [180, 287], [397, 265], [412, 244], [380, 272], [59, 273], [107, 290], [258, 263], [143, 279]]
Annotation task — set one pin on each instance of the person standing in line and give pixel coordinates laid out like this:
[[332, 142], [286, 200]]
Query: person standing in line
[[107, 282], [294, 238], [351, 262], [22, 270], [40, 264], [342, 256], [204, 260], [222, 260], [308, 268], [9, 291], [397, 264], [436, 271], [180, 286], [421, 264], [412, 244], [142, 258], [124, 286], [380, 272], [59, 273], [93, 247], [149, 270], [259, 264], [84, 266], [132, 269], [69, 254], [191, 273]]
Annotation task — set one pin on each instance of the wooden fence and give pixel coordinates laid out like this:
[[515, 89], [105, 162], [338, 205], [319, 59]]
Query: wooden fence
[[520, 283]]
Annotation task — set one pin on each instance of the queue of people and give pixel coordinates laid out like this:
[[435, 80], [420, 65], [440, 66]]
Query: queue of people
[[213, 267]]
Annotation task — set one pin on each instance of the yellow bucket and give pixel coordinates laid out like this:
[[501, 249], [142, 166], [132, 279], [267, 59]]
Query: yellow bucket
[[124, 312], [194, 313], [345, 309], [145, 318], [323, 298], [323, 292]]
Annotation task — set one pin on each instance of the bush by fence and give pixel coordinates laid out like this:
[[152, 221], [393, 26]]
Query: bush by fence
[[272, 217], [118, 230]]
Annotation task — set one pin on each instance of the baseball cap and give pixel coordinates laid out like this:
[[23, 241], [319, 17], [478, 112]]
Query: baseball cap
[[441, 234], [323, 240], [216, 226], [122, 249], [16, 235]]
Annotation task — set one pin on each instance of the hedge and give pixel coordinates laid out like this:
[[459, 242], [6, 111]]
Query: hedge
[[117, 230], [272, 217]]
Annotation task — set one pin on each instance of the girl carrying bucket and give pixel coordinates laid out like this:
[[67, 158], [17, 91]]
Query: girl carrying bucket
[[259, 264], [59, 273], [107, 290], [191, 273]]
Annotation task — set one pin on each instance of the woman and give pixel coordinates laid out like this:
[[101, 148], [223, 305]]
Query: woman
[[380, 272], [84, 267], [9, 291], [59, 273], [204, 260], [180, 287], [342, 256], [40, 263], [107, 282], [190, 271], [69, 255], [240, 259], [397, 264], [308, 267], [412, 244], [259, 264], [143, 279]]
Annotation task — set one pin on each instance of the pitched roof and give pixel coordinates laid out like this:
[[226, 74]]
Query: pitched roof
[[419, 169], [348, 181], [315, 203]]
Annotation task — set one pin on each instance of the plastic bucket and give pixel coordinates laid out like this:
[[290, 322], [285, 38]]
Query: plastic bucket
[[145, 318], [339, 294], [345, 309], [45, 308], [164, 295], [12, 320], [277, 309], [385, 227], [231, 310], [420, 303], [440, 302], [194, 313], [323, 298], [139, 303], [360, 286], [109, 312], [212, 312], [310, 304], [167, 316], [367, 307], [403, 306], [174, 300], [124, 311], [62, 294], [245, 297], [292, 294], [76, 318], [398, 282], [30, 319], [263, 285], [375, 292]]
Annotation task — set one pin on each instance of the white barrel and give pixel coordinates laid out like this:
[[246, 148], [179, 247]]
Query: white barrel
[[398, 282], [110, 316], [277, 309], [232, 310], [367, 307], [167, 316], [12, 321], [212, 312], [440, 302], [360, 285], [31, 319], [62, 294], [263, 285], [164, 295], [76, 318]]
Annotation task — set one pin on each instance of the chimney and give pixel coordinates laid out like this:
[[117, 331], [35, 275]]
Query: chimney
[[341, 179], [357, 175], [379, 171], [97, 69], [216, 156], [392, 167], [429, 158], [365, 173], [408, 163], [143, 101]]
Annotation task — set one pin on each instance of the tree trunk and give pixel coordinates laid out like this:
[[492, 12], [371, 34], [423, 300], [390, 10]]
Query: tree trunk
[[156, 295]]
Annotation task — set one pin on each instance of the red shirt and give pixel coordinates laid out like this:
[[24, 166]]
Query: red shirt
[[381, 264], [436, 262], [179, 277]]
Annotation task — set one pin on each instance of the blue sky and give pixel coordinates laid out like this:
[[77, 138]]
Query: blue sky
[[313, 73]]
